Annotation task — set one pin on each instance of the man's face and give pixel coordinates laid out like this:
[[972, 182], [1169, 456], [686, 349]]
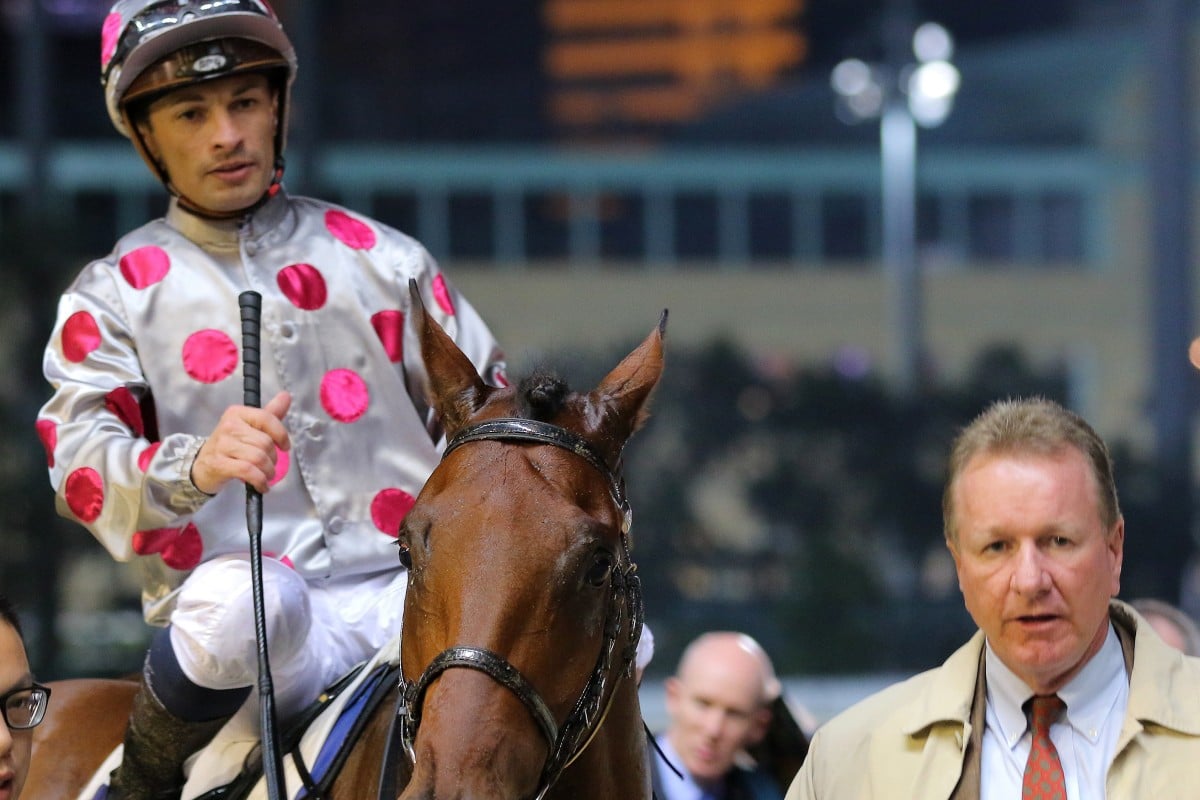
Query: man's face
[[1035, 564], [216, 140], [14, 745], [715, 711]]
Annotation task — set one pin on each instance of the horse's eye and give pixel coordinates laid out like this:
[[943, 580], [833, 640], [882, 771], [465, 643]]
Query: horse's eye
[[601, 568], [405, 556]]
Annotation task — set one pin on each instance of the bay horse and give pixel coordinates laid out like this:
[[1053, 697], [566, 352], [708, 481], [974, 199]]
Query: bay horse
[[522, 615]]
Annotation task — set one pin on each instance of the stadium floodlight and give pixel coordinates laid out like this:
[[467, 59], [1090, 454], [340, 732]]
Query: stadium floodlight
[[901, 97]]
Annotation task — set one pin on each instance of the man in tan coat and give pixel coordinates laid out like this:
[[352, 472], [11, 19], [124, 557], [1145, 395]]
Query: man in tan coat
[[1033, 524]]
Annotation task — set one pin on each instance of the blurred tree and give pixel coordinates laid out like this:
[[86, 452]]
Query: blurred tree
[[34, 254]]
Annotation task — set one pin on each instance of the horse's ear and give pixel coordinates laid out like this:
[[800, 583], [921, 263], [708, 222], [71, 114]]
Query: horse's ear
[[621, 399], [456, 390]]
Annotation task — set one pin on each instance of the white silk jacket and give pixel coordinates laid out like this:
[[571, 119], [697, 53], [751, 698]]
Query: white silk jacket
[[146, 354]]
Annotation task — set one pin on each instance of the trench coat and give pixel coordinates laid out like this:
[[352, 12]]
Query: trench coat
[[909, 741]]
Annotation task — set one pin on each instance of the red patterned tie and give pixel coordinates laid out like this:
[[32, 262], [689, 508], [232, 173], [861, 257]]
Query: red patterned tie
[[1043, 771]]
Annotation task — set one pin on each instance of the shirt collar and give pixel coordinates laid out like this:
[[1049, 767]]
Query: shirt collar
[[1089, 696], [226, 234]]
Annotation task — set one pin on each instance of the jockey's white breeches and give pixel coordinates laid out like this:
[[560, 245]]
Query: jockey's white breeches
[[315, 631]]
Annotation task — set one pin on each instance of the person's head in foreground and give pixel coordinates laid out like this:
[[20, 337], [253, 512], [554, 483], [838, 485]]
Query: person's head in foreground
[[1032, 521]]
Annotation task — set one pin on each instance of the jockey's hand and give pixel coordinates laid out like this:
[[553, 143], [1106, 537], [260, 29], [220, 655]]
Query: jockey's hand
[[243, 446]]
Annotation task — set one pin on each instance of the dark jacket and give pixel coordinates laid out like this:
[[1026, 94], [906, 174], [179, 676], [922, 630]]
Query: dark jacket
[[740, 784]]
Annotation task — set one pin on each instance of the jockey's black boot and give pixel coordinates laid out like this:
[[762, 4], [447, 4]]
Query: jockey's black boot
[[156, 744]]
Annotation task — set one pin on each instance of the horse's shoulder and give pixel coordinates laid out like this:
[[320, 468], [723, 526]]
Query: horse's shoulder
[[85, 721], [119, 684], [103, 695]]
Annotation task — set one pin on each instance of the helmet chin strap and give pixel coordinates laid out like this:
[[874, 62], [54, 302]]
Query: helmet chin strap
[[272, 190]]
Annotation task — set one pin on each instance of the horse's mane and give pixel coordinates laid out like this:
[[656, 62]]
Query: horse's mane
[[541, 395]]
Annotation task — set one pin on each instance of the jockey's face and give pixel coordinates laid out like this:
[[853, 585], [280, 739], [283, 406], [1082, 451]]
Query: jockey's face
[[14, 745], [216, 140]]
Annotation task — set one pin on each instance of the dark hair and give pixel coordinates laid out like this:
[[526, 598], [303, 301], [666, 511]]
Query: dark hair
[[541, 395], [9, 614]]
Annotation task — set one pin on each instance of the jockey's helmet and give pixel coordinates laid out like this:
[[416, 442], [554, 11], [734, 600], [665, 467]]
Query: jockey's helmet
[[150, 47]]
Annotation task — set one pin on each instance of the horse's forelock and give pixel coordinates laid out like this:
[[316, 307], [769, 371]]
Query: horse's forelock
[[541, 395]]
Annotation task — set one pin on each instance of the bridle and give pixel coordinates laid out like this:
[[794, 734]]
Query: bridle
[[568, 741]]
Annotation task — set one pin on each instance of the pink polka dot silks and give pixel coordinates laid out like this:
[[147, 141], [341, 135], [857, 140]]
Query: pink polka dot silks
[[157, 324], [80, 336], [47, 431], [344, 395], [147, 455], [389, 326], [303, 285], [389, 508], [210, 356], [145, 266], [282, 462], [349, 231], [84, 493], [442, 294], [124, 405], [180, 548]]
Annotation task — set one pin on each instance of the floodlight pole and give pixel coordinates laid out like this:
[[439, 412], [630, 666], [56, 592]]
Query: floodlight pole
[[898, 154]]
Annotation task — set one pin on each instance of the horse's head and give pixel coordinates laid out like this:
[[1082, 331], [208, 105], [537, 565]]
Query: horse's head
[[523, 609]]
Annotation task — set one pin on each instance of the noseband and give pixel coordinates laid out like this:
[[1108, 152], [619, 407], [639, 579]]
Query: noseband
[[568, 741]]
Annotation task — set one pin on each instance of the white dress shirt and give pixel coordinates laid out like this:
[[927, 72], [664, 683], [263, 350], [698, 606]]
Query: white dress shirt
[[1085, 736]]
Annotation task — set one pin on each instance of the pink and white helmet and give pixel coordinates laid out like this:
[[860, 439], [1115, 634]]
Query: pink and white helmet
[[149, 47]]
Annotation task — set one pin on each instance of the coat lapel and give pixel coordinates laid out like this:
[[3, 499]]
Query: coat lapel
[[939, 723]]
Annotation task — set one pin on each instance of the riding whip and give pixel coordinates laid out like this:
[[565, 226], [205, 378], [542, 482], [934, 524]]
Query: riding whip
[[250, 303]]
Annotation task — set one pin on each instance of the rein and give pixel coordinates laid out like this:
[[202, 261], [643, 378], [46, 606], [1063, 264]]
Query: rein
[[568, 741]]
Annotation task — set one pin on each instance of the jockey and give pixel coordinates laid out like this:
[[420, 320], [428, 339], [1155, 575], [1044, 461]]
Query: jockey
[[148, 440]]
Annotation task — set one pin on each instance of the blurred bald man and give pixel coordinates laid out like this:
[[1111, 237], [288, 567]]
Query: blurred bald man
[[719, 704], [1174, 626]]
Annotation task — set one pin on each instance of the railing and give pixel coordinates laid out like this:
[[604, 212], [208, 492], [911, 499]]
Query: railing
[[662, 208]]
